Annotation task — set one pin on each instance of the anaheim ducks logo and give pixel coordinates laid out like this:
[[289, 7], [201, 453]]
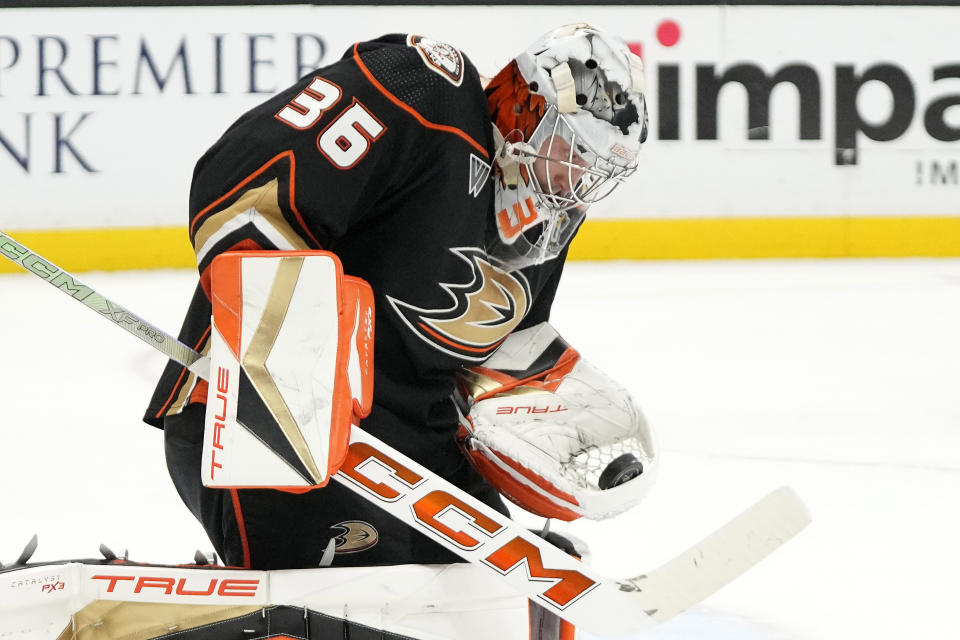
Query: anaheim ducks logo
[[440, 58], [484, 310], [355, 535]]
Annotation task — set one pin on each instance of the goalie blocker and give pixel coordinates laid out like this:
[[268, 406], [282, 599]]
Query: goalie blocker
[[291, 368], [554, 434]]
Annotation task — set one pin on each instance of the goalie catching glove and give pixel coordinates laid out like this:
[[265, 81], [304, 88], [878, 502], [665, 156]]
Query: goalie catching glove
[[553, 433], [291, 368]]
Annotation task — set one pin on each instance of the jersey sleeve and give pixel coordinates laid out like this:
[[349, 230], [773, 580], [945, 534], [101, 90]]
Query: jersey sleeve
[[543, 301]]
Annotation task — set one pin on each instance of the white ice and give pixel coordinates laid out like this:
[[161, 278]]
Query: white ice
[[839, 378]]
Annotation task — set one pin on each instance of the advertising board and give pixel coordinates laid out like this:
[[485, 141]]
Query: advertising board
[[837, 121]]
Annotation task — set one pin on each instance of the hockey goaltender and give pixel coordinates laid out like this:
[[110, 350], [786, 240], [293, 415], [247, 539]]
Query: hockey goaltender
[[453, 198], [379, 246]]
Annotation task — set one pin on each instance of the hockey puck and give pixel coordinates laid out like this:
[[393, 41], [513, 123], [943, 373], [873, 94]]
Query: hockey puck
[[621, 469]]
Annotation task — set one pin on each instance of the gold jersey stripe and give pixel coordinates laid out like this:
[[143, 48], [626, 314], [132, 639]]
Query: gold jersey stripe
[[261, 201]]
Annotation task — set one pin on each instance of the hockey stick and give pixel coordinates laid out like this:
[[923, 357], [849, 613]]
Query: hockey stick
[[483, 536], [129, 322]]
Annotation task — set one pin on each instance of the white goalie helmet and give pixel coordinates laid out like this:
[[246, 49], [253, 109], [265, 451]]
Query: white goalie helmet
[[572, 116]]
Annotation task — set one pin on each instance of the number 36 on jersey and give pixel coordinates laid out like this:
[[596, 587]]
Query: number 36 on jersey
[[346, 140]]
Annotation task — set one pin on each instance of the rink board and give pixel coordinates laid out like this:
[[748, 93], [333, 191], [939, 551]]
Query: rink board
[[760, 145]]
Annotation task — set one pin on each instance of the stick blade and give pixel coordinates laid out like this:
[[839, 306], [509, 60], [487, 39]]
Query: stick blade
[[722, 556]]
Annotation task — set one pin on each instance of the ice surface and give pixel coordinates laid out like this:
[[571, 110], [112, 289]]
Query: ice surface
[[839, 378]]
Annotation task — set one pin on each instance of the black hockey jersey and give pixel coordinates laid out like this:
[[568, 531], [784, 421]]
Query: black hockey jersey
[[384, 159]]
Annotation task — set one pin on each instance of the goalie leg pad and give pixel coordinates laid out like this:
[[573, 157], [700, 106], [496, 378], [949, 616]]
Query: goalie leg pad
[[291, 368]]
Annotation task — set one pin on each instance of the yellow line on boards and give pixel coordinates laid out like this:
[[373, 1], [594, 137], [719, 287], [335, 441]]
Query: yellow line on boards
[[77, 250], [600, 239], [809, 237]]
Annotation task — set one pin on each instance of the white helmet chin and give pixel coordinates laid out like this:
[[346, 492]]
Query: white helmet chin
[[589, 119]]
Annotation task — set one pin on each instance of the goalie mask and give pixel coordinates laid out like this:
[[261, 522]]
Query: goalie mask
[[570, 117]]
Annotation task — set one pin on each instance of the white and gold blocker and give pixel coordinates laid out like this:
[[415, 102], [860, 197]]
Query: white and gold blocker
[[291, 368]]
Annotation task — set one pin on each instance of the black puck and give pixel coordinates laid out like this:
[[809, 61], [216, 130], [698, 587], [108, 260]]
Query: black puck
[[621, 469]]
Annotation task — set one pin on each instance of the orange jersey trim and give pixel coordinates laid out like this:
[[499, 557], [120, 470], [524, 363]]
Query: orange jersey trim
[[403, 105], [457, 344], [199, 393], [241, 528], [288, 154]]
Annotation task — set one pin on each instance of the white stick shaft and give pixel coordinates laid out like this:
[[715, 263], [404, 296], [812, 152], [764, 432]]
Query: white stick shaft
[[728, 552]]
